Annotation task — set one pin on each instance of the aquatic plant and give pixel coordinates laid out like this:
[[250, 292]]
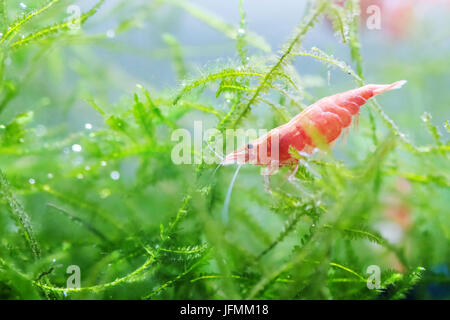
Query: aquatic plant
[[101, 192]]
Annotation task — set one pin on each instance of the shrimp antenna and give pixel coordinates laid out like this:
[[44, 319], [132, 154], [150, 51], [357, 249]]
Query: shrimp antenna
[[221, 157], [217, 155], [228, 197], [217, 168]]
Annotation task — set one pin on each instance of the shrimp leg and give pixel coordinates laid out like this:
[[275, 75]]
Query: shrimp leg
[[267, 187], [292, 175], [267, 172]]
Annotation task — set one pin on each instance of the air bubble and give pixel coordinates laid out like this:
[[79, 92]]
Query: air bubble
[[115, 175], [88, 126], [426, 117], [76, 148], [110, 33], [32, 181], [23, 5]]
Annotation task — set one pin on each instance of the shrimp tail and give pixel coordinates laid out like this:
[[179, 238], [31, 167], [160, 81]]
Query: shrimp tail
[[393, 86]]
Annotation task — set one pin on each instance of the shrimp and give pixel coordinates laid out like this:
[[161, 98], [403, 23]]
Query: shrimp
[[320, 123]]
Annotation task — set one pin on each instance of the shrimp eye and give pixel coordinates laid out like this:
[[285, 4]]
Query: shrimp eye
[[249, 146]]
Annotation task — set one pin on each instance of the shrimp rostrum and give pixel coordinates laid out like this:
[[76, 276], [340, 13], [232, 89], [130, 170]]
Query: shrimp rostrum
[[318, 125]]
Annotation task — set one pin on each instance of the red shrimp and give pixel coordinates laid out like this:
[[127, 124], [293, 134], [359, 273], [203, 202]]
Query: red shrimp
[[325, 119]]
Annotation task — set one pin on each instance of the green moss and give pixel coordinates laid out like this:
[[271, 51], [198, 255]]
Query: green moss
[[87, 178]]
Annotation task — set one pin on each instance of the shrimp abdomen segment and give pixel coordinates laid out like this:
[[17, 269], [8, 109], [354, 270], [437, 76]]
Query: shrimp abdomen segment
[[332, 114], [352, 100], [327, 123], [328, 105]]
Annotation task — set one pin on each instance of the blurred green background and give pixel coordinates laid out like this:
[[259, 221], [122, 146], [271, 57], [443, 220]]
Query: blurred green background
[[86, 118]]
